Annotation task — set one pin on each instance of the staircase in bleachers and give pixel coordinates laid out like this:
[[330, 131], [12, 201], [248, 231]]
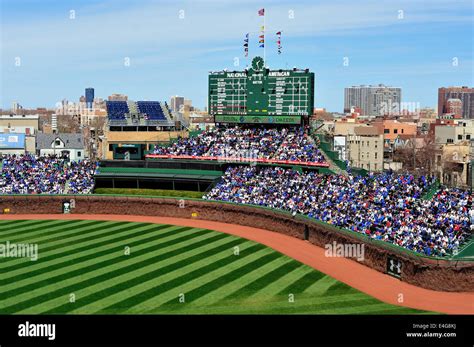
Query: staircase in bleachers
[[132, 106], [134, 116], [166, 110]]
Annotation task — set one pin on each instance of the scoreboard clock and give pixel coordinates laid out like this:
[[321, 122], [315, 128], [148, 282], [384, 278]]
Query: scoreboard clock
[[260, 95], [258, 64]]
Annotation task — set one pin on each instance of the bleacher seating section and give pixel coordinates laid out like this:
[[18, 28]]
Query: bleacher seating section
[[138, 113], [152, 110], [116, 110]]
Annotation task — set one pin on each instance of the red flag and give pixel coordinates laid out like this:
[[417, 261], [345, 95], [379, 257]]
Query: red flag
[[279, 33], [261, 12]]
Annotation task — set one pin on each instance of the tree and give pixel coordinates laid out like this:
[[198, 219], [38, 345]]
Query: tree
[[417, 155]]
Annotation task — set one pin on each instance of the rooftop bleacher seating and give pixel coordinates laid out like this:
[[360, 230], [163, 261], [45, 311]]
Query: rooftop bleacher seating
[[116, 110], [152, 110]]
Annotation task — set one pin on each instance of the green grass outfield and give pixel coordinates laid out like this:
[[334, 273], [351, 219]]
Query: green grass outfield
[[86, 260]]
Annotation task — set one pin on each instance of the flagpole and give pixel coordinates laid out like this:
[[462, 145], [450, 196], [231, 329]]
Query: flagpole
[[264, 45]]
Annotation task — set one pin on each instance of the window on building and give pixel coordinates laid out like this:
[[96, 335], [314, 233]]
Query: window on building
[[376, 144], [111, 148], [362, 155], [57, 143], [368, 143], [449, 141], [79, 153], [395, 131], [468, 137], [375, 164], [403, 131], [368, 155], [386, 131], [376, 155], [459, 137]]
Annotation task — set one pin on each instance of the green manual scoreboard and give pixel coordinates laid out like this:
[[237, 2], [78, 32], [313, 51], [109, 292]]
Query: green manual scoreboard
[[259, 95]]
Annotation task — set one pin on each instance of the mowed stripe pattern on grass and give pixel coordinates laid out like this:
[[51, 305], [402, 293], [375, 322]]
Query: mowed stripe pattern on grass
[[168, 269]]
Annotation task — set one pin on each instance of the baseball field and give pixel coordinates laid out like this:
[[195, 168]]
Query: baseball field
[[117, 267]]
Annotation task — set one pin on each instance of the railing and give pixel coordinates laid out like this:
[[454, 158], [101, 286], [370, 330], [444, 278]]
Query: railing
[[160, 122], [432, 190], [164, 109], [330, 153]]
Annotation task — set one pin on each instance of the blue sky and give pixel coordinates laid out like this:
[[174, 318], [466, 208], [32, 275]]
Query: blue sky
[[171, 55]]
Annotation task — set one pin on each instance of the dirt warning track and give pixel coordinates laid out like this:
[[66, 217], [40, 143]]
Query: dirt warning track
[[369, 281]]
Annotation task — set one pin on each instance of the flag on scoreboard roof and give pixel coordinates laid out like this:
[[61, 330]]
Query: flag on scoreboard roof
[[261, 37], [261, 41], [279, 41], [246, 45]]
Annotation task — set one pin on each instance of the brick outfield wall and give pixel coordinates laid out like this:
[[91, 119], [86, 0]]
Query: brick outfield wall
[[427, 273]]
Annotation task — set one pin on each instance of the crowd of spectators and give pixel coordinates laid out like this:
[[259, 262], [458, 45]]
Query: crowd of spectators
[[31, 174], [253, 143], [386, 206]]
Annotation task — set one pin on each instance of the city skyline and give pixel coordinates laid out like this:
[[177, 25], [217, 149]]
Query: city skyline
[[63, 48]]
